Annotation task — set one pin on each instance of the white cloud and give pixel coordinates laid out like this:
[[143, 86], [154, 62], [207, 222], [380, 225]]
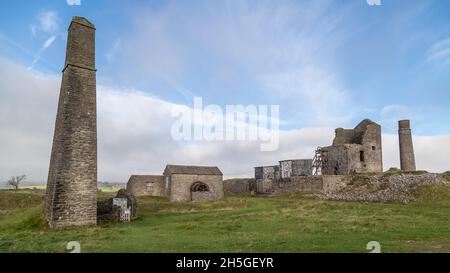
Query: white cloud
[[431, 152], [49, 42], [278, 50], [73, 2], [48, 21], [439, 52], [134, 135]]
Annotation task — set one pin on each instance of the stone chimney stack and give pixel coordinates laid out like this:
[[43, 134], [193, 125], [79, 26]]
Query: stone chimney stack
[[407, 161], [71, 197]]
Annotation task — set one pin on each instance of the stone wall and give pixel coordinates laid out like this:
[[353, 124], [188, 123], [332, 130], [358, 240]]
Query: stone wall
[[298, 184], [334, 183], [296, 167], [180, 186], [387, 187], [267, 172], [239, 186], [146, 185], [71, 195], [264, 186]]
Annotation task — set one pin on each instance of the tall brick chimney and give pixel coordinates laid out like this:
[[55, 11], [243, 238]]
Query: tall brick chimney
[[407, 160], [71, 197]]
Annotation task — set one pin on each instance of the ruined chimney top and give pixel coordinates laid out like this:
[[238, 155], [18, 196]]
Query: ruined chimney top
[[404, 124], [82, 21]]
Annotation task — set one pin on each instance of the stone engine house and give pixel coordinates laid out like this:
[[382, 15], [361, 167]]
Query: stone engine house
[[355, 150], [180, 183]]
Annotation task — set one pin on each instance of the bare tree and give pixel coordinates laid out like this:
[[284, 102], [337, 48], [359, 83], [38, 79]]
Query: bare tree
[[15, 181]]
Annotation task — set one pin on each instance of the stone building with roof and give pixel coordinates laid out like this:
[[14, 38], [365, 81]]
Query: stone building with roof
[[193, 183], [180, 183]]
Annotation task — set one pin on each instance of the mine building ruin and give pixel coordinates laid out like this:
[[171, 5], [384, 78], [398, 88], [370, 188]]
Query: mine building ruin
[[146, 185], [355, 150], [265, 176], [295, 167], [180, 183]]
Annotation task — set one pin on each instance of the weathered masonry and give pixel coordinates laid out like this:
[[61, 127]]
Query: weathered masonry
[[355, 150], [193, 183], [72, 179], [265, 176], [295, 167], [407, 160], [146, 185], [180, 183]]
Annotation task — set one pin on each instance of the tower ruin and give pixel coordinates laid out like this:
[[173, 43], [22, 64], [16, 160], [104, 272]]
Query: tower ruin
[[356, 150], [71, 197], [407, 160]]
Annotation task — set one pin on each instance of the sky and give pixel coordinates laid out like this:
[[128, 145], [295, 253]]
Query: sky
[[327, 64]]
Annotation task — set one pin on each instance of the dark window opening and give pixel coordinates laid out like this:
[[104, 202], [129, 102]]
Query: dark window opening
[[361, 156], [373, 148], [199, 186]]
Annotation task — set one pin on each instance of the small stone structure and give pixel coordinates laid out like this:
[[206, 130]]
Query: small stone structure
[[71, 194], [355, 150], [146, 185], [111, 208], [407, 160], [193, 183], [264, 176], [295, 167], [180, 183]]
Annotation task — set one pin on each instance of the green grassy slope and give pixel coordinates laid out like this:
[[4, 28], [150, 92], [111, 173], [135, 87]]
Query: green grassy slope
[[240, 224]]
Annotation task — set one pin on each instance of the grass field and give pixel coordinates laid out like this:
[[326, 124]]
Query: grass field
[[112, 188], [239, 224]]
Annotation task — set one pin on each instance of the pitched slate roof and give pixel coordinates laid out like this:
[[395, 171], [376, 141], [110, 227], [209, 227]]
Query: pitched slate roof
[[184, 169]]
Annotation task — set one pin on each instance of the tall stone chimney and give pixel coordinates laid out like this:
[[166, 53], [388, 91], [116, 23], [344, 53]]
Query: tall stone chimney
[[71, 197], [407, 161]]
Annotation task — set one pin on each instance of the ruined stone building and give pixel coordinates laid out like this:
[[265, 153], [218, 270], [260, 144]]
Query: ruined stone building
[[295, 167], [180, 183], [355, 150], [265, 176], [71, 195], [146, 185]]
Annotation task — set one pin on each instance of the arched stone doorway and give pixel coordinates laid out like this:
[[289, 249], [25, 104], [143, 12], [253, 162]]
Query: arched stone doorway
[[199, 191]]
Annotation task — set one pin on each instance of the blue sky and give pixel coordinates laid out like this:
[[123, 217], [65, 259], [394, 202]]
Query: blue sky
[[326, 63]]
